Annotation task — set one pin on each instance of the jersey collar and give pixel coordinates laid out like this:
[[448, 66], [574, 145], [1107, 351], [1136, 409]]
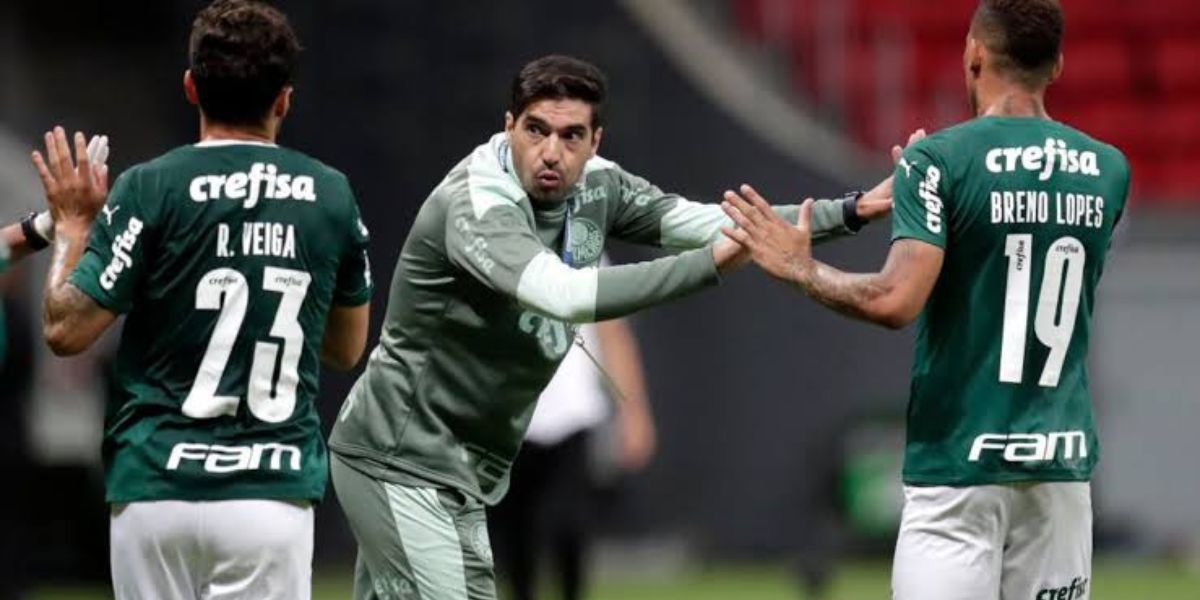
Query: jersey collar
[[220, 143]]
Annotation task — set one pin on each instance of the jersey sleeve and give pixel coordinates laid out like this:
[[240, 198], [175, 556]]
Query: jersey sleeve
[[497, 246], [919, 208], [647, 215], [354, 283], [113, 264]]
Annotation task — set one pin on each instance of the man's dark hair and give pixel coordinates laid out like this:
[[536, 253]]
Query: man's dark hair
[[1026, 35], [559, 77], [241, 54]]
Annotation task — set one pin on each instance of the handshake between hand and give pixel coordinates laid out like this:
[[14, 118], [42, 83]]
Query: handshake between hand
[[781, 249]]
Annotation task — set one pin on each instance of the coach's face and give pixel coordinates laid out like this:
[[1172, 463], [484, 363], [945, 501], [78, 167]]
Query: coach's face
[[551, 142]]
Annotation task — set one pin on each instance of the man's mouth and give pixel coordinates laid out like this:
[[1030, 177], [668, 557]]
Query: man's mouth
[[548, 179]]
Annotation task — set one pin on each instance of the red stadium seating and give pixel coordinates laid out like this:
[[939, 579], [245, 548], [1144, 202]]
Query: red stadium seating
[[1132, 75]]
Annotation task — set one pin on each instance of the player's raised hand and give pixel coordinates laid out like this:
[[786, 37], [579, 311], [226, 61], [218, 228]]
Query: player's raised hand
[[75, 189], [779, 248]]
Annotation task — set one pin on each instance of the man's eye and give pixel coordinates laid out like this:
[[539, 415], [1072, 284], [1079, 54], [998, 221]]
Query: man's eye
[[534, 130]]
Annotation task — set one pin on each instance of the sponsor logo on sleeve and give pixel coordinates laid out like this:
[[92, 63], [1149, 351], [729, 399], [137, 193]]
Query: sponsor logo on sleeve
[[122, 246], [927, 190]]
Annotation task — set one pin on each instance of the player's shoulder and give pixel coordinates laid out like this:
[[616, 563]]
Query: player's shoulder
[[1108, 153], [600, 173], [313, 166], [946, 144], [482, 181]]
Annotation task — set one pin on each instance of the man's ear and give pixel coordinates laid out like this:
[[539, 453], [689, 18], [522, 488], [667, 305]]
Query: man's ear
[[189, 88], [1058, 68], [509, 121], [283, 102], [975, 56], [599, 133]]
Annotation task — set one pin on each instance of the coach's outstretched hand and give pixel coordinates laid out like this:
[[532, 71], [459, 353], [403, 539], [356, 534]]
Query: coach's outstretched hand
[[779, 248], [877, 203], [75, 189]]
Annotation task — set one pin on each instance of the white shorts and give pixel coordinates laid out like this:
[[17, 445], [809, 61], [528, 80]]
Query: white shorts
[[218, 550], [1028, 541]]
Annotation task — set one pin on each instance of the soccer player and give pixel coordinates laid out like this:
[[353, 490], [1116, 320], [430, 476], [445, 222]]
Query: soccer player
[[499, 265], [1000, 233], [240, 266]]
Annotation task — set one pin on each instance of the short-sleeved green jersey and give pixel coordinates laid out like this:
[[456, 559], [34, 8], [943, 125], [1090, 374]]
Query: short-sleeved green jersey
[[226, 258], [482, 304], [1024, 209]]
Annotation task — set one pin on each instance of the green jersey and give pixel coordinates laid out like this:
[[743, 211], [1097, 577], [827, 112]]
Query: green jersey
[[226, 257], [1024, 209], [482, 304]]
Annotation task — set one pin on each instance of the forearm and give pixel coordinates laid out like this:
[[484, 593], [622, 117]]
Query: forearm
[[692, 225], [626, 289], [586, 295], [68, 315], [831, 219], [862, 296]]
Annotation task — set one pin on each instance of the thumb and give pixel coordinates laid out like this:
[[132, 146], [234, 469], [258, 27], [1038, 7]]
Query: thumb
[[897, 152], [804, 222]]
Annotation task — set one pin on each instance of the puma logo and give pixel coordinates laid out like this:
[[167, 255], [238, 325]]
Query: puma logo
[[109, 212]]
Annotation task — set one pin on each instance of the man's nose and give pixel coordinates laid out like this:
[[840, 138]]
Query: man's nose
[[552, 150]]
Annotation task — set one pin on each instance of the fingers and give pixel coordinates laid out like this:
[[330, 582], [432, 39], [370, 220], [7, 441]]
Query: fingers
[[85, 165], [97, 150], [66, 167], [764, 207], [43, 170], [804, 222], [739, 218], [52, 157], [916, 136], [748, 211], [897, 152], [101, 174], [739, 236]]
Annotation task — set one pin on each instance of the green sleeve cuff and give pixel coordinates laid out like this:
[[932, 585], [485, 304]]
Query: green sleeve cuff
[[86, 279], [358, 298]]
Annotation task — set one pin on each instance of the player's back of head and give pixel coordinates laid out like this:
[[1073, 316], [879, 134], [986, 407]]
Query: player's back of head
[[241, 53], [1024, 37]]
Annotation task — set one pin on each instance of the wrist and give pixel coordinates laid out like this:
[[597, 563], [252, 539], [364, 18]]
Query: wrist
[[852, 215], [34, 227], [800, 272], [72, 226]]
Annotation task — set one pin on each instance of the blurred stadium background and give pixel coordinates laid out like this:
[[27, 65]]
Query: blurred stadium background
[[779, 422]]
